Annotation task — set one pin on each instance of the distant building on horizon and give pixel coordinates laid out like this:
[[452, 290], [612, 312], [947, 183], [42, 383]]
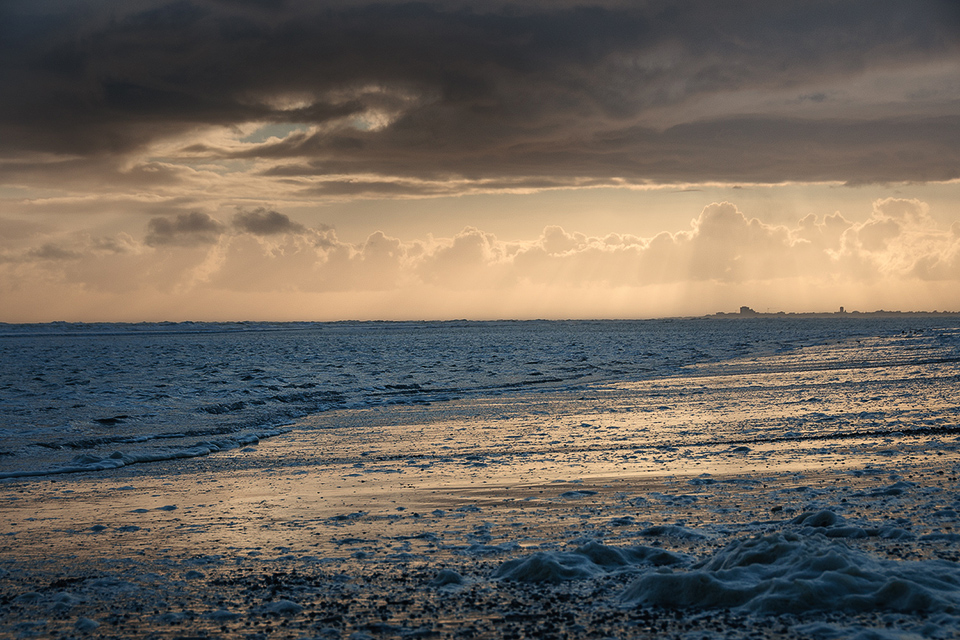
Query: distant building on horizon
[[747, 311]]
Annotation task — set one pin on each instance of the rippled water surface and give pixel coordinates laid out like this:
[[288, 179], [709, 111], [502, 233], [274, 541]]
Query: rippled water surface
[[73, 395]]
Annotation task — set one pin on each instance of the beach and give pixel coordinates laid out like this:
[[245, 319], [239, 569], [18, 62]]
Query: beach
[[459, 319], [806, 493]]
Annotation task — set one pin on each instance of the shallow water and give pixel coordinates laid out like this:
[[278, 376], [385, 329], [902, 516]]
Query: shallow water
[[75, 395]]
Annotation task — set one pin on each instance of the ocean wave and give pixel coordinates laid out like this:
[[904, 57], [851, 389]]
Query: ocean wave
[[89, 462]]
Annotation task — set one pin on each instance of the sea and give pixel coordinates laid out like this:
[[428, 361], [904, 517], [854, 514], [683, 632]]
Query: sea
[[93, 397]]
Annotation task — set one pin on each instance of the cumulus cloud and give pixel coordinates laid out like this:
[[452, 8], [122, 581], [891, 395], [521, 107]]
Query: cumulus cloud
[[826, 233], [876, 235], [901, 238], [185, 229], [314, 260], [471, 258]]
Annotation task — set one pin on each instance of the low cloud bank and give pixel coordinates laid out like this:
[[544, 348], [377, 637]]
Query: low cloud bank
[[899, 248]]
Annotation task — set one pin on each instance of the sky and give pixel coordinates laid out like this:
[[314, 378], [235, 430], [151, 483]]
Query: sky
[[299, 160]]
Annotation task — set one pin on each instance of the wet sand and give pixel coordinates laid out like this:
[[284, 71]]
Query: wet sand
[[319, 534]]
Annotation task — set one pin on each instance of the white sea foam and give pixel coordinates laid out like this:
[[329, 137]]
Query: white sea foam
[[791, 573], [591, 559]]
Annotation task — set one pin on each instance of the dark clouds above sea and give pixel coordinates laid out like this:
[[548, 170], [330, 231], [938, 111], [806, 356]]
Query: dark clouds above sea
[[398, 98]]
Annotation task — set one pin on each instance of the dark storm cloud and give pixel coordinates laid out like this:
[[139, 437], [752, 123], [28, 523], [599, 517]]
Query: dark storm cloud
[[185, 229], [735, 149], [483, 91], [265, 222], [53, 252]]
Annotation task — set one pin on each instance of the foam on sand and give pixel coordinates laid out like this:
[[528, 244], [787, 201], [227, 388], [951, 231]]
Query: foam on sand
[[587, 561], [790, 573]]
